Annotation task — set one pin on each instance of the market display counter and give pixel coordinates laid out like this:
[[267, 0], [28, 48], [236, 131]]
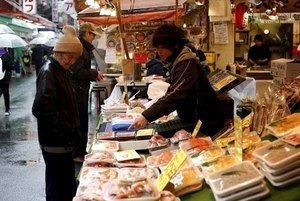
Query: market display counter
[[289, 193]]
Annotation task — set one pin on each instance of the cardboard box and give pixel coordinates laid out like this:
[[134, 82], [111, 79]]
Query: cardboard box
[[285, 68], [279, 81]]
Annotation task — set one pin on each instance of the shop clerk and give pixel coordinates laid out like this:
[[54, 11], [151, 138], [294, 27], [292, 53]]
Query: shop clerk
[[190, 92], [259, 54]]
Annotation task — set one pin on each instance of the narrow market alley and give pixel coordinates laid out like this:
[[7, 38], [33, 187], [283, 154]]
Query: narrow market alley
[[21, 162]]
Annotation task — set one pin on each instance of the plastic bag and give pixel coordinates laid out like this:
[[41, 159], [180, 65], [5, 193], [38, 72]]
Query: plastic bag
[[115, 95], [157, 89], [244, 90]]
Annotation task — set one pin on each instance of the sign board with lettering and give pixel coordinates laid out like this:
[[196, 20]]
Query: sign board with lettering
[[29, 6]]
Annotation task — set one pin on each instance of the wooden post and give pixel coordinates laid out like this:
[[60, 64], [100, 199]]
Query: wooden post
[[176, 20], [118, 8]]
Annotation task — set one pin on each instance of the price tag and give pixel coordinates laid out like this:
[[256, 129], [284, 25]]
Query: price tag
[[126, 155], [238, 142], [145, 132], [171, 169], [225, 81], [197, 128]]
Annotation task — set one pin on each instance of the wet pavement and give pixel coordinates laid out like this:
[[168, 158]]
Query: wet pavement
[[21, 162]]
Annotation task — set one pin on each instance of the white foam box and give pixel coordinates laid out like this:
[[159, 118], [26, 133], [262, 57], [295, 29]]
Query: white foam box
[[285, 68]]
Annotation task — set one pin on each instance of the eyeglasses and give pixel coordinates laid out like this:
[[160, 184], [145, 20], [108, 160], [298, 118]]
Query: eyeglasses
[[91, 33]]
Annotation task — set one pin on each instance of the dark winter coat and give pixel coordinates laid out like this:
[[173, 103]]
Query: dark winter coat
[[81, 73], [155, 67], [55, 107], [37, 55], [7, 66], [191, 94]]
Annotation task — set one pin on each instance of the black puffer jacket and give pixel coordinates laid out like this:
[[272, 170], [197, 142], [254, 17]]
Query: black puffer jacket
[[55, 107], [81, 73], [190, 94], [7, 66]]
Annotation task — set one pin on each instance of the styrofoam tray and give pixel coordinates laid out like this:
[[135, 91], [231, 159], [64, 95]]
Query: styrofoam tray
[[281, 184], [105, 145], [207, 155], [219, 164], [244, 193], [133, 144], [283, 177], [277, 154], [279, 171], [112, 185], [257, 196], [277, 128], [244, 174], [137, 174], [143, 164]]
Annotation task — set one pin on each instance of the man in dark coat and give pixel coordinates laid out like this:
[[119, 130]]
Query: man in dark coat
[[7, 66], [154, 65], [259, 54], [81, 75], [190, 92], [38, 56], [57, 116]]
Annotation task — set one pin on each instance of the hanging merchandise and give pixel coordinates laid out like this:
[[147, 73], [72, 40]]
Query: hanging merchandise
[[241, 17]]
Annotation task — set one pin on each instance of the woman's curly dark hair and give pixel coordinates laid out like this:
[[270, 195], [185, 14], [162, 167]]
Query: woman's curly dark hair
[[168, 36]]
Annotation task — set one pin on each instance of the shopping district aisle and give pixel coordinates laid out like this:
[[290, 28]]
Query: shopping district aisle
[[22, 168]]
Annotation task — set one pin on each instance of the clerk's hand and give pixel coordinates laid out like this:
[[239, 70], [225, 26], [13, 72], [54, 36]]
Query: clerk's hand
[[100, 76], [140, 122]]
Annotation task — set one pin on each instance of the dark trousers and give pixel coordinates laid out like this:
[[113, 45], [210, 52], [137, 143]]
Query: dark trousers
[[60, 176], [84, 126], [4, 89]]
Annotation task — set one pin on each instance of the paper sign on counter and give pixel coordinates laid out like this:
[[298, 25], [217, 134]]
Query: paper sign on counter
[[197, 128], [126, 155]]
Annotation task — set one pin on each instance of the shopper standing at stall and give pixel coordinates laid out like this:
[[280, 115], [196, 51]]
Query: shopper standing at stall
[[5, 76], [39, 53], [81, 75], [259, 54], [57, 115], [190, 92]]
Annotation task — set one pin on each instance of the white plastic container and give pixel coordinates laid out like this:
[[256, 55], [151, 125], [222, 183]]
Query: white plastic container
[[235, 179], [258, 188], [207, 155], [218, 164], [279, 171], [277, 154], [285, 126], [257, 196], [284, 183], [105, 145], [283, 177]]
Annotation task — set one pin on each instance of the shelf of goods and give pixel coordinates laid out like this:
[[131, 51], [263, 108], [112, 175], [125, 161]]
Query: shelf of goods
[[271, 173]]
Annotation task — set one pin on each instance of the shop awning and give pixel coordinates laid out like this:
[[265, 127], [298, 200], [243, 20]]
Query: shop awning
[[15, 25], [134, 18], [35, 18], [135, 11]]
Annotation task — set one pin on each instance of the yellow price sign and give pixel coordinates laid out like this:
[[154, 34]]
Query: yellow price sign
[[171, 169], [238, 143], [197, 128], [162, 181]]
